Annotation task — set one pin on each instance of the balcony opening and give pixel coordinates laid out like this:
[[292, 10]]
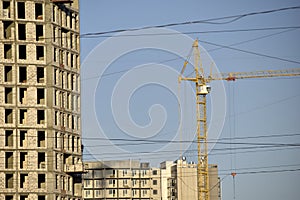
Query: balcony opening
[[9, 139], [7, 51], [68, 159], [8, 95], [41, 197], [73, 122], [23, 116], [8, 116], [41, 181], [23, 160], [6, 9], [22, 31], [9, 180], [21, 10], [73, 143], [8, 73], [22, 95], [22, 74], [39, 11], [22, 52], [9, 160], [9, 197], [55, 55], [40, 74], [39, 52], [23, 180], [39, 32], [40, 96], [23, 138], [40, 116], [24, 197], [41, 160], [7, 29], [72, 61], [41, 139]]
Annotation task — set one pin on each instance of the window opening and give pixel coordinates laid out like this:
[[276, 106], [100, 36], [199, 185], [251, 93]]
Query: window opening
[[7, 51], [8, 73], [39, 11], [22, 74], [22, 95], [40, 116], [9, 138], [9, 160], [21, 10], [39, 32], [22, 31], [8, 116], [22, 52], [40, 96], [41, 139], [40, 74], [8, 95]]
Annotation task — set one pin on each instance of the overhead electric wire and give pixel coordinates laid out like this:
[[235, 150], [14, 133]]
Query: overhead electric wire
[[168, 60], [195, 32], [205, 21], [255, 39], [250, 52]]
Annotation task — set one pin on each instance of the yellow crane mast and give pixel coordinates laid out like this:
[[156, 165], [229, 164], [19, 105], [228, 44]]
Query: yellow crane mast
[[202, 89]]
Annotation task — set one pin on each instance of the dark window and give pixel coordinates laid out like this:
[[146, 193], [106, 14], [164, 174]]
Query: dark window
[[9, 138], [40, 74], [39, 52], [8, 95], [7, 51], [21, 10], [22, 74], [7, 29], [41, 141], [40, 96], [8, 73], [8, 116], [22, 31], [9, 180], [39, 32], [40, 116], [22, 52], [39, 11]]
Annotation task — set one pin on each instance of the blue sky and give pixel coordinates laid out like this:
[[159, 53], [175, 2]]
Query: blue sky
[[260, 107]]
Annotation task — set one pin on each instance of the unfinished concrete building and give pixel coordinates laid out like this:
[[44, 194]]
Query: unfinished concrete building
[[40, 136]]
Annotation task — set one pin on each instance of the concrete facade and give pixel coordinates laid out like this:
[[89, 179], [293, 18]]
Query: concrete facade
[[180, 181], [129, 179], [40, 136], [126, 179]]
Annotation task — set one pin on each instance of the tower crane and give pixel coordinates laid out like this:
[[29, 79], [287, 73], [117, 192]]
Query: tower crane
[[202, 89]]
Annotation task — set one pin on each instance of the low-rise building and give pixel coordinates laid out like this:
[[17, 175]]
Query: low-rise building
[[126, 179], [130, 179]]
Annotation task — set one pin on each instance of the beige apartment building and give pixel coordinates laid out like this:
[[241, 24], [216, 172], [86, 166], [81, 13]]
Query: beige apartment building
[[129, 179], [40, 136], [179, 181], [124, 180]]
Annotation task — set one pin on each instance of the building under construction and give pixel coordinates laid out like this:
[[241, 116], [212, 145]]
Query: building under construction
[[40, 136]]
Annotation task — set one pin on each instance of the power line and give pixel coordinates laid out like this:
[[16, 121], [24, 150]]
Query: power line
[[254, 39], [195, 32], [231, 18], [164, 61], [250, 52]]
